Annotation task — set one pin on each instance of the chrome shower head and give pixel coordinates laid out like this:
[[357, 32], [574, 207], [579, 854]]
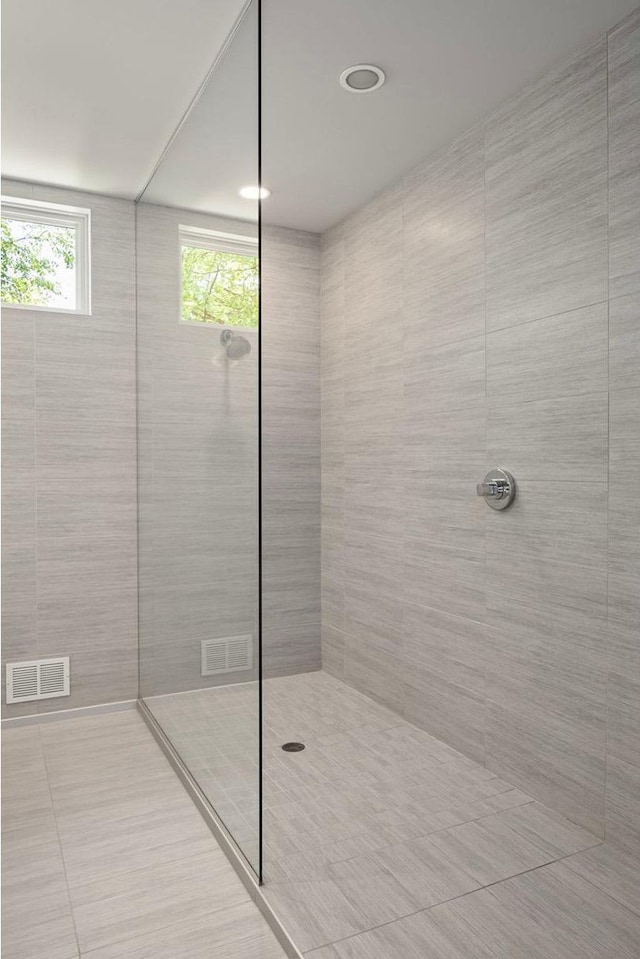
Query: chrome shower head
[[235, 346]]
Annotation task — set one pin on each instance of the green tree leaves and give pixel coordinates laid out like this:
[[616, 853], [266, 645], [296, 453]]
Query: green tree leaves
[[33, 256], [219, 287]]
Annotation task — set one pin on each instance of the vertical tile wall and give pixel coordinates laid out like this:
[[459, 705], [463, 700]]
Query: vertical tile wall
[[290, 278], [197, 470], [198, 465], [623, 728], [69, 481], [69, 469], [486, 311]]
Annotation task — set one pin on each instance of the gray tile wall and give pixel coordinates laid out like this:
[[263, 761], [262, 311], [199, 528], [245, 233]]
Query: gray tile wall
[[69, 453], [486, 311], [290, 277], [69, 487], [623, 689], [197, 470], [198, 465]]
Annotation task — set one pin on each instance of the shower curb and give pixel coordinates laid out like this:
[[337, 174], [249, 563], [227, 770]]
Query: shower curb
[[242, 869]]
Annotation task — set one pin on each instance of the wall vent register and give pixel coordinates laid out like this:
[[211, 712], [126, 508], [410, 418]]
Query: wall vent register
[[229, 655], [38, 679]]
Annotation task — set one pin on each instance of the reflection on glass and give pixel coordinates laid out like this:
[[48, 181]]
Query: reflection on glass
[[219, 279], [198, 356]]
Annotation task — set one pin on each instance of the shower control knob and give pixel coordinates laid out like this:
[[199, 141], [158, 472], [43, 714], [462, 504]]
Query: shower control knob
[[498, 488]]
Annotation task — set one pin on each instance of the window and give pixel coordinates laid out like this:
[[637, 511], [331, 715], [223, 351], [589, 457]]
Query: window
[[220, 278], [45, 256]]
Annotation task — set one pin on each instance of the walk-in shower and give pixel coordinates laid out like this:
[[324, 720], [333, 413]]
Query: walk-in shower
[[391, 698], [321, 465], [198, 451]]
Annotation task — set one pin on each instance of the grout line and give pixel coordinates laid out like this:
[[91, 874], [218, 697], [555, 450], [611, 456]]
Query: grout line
[[498, 400], [443, 829], [488, 333], [464, 895], [600, 889], [606, 627], [36, 485], [485, 522], [193, 857], [548, 316], [60, 847]]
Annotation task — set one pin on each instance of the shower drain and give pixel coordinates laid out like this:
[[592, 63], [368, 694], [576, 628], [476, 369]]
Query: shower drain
[[293, 747]]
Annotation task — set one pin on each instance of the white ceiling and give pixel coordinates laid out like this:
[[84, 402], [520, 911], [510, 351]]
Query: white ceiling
[[216, 150], [448, 64], [94, 88]]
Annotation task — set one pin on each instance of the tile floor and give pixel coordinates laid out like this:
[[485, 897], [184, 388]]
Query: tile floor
[[380, 843], [105, 855], [216, 733], [383, 842]]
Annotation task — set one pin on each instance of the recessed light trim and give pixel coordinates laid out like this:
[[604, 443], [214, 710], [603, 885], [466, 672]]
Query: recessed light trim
[[362, 78], [254, 192]]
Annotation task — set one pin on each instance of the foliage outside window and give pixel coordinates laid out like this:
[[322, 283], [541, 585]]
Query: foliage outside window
[[220, 278], [44, 256]]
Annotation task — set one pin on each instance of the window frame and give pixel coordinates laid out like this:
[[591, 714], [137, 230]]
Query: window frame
[[201, 238], [57, 214]]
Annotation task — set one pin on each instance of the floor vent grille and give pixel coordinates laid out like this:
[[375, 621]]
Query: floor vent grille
[[38, 679], [227, 655]]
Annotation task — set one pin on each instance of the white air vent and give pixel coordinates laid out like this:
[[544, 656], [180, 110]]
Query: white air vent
[[37, 679], [226, 655]]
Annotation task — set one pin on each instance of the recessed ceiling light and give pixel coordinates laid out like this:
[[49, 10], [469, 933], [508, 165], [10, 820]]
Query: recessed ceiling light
[[254, 192], [362, 78]]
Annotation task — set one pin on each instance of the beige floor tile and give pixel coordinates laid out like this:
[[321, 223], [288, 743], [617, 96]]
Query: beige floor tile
[[425, 935], [315, 912], [544, 914], [38, 926], [236, 933], [612, 870], [144, 840], [378, 838], [137, 903], [549, 912], [510, 842], [32, 865]]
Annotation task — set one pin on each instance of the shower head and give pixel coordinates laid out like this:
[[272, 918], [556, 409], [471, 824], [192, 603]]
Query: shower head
[[235, 346]]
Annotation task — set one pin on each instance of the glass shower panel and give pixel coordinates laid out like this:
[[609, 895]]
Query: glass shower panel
[[198, 440]]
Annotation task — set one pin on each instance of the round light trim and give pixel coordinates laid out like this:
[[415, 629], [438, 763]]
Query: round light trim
[[362, 78], [254, 192]]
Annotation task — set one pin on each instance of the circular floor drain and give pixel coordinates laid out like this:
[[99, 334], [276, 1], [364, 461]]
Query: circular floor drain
[[293, 747]]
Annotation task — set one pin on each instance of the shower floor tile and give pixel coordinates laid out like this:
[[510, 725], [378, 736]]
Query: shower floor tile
[[549, 913], [377, 820], [382, 842]]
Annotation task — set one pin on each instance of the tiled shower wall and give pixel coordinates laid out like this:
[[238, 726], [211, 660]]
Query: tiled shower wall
[[198, 466], [69, 472], [485, 311], [197, 469], [69, 468], [290, 450]]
